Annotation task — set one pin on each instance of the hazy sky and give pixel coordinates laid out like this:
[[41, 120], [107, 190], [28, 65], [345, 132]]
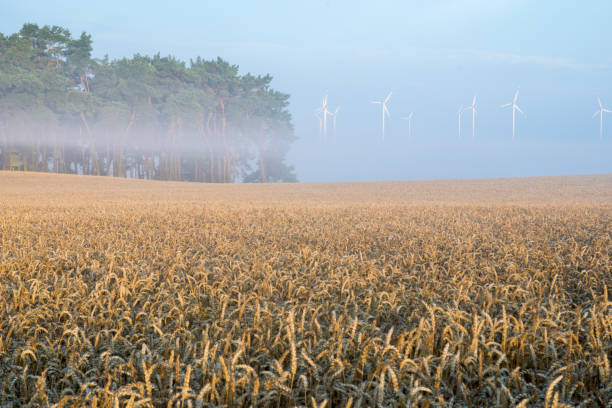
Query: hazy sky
[[433, 54]]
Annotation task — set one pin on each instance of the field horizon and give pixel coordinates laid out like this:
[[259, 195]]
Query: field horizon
[[537, 190]]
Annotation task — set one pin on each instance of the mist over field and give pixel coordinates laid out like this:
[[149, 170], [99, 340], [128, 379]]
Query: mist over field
[[449, 160], [434, 56]]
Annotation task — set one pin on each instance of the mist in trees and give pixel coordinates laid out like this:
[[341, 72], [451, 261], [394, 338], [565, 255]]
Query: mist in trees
[[147, 117]]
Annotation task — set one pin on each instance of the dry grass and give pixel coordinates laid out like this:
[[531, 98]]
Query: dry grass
[[119, 293]]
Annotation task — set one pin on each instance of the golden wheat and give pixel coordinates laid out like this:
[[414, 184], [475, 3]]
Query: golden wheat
[[119, 293]]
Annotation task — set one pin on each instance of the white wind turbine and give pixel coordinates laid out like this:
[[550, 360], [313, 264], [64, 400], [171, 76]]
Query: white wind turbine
[[320, 122], [384, 111], [335, 115], [600, 112], [514, 109], [409, 119], [323, 119], [473, 109], [459, 114]]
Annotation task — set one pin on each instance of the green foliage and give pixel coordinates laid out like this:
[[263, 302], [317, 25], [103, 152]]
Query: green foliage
[[149, 117]]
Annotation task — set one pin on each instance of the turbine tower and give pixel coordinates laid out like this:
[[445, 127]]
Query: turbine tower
[[335, 115], [384, 111], [409, 119], [600, 112], [473, 109], [514, 109], [459, 114], [323, 119], [320, 122]]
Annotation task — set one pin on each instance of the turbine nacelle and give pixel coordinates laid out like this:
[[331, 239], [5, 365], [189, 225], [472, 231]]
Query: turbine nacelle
[[409, 119], [385, 111], [459, 114], [600, 112], [334, 116], [322, 113], [515, 108], [472, 107]]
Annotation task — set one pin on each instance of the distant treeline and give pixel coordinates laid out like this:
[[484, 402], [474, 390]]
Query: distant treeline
[[142, 117]]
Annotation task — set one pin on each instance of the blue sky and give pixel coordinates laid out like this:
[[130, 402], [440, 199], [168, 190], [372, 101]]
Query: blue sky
[[434, 55]]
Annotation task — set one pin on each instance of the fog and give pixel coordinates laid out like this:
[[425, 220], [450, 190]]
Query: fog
[[557, 135], [376, 161], [434, 56], [152, 154]]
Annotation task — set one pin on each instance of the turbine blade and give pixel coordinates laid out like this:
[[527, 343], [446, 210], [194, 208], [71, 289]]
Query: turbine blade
[[519, 109], [388, 96], [505, 105], [599, 101], [376, 102], [596, 113]]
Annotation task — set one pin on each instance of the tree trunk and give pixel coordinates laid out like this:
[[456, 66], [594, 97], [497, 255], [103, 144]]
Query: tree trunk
[[45, 161], [4, 155], [55, 155], [93, 156], [223, 135], [262, 167], [121, 164]]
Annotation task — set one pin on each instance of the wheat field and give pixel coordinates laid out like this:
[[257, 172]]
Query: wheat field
[[127, 293]]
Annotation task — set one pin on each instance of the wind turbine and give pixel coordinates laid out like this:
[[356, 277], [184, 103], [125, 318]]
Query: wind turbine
[[384, 111], [600, 112], [323, 119], [409, 119], [320, 122], [460, 113], [473, 109], [335, 115], [514, 109]]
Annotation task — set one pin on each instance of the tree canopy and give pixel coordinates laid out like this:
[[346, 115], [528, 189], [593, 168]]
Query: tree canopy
[[148, 117]]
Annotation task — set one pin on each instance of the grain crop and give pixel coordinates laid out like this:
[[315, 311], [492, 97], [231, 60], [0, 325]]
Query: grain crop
[[127, 293]]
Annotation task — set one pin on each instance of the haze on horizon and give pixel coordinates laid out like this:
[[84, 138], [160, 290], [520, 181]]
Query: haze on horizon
[[434, 55]]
